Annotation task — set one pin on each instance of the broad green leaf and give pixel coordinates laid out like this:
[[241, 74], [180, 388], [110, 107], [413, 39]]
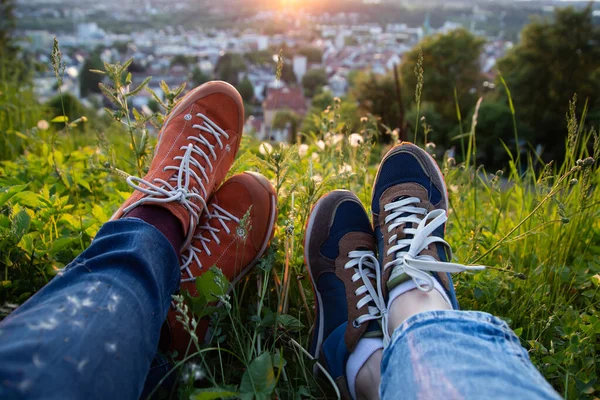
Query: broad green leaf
[[211, 284], [289, 322], [6, 193], [61, 243], [214, 393], [99, 213], [20, 224], [27, 242], [259, 379], [28, 199], [60, 118]]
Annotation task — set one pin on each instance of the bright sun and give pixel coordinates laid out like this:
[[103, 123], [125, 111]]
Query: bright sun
[[290, 3]]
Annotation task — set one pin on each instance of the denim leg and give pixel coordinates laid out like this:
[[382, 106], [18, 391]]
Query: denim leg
[[459, 355], [93, 331]]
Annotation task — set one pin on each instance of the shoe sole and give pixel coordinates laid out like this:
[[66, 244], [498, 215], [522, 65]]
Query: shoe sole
[[308, 229]]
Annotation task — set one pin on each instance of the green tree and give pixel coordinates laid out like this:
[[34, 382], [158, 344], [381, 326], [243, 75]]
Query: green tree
[[88, 81], [199, 77], [73, 107], [554, 60], [287, 74], [322, 100], [313, 82], [229, 67], [449, 61], [284, 118], [246, 89], [11, 67], [376, 94], [312, 54]]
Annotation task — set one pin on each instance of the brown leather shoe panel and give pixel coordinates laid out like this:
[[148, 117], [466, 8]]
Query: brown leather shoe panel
[[350, 242], [320, 231]]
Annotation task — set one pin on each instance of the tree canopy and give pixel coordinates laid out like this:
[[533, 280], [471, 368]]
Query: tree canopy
[[313, 81], [553, 61]]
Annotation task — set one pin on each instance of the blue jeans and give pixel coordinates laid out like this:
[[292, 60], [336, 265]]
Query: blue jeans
[[459, 355], [92, 333]]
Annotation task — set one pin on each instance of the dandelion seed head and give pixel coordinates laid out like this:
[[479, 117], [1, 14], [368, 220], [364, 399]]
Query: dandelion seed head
[[265, 148], [355, 140], [43, 125], [303, 150], [345, 168]]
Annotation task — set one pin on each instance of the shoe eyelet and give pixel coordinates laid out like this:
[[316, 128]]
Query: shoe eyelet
[[241, 232], [356, 324], [187, 117], [228, 148]]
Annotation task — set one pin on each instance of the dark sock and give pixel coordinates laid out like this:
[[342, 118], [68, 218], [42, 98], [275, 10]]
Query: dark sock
[[163, 220]]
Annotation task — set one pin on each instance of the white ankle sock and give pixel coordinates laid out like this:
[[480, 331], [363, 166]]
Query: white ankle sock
[[364, 349], [410, 285]]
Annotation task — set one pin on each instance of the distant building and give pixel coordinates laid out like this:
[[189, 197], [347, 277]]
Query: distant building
[[300, 66], [283, 99]]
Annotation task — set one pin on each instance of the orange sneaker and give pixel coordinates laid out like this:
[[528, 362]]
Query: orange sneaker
[[221, 241], [195, 149]]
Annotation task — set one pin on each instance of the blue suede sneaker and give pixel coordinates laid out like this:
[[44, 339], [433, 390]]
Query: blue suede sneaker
[[339, 252], [410, 206]]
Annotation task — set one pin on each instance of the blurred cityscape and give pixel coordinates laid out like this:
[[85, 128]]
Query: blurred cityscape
[[240, 41]]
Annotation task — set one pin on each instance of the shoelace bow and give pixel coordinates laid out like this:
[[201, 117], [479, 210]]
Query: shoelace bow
[[408, 257], [407, 251], [220, 215], [366, 268], [163, 191]]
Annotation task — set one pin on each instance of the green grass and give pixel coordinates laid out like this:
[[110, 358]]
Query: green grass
[[536, 226]]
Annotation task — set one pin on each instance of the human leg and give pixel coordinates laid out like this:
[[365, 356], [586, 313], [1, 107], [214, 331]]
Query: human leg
[[195, 150], [435, 350], [93, 330], [340, 256]]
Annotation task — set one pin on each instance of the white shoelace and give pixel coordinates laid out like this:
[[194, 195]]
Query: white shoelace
[[222, 216], [162, 191], [407, 251], [366, 267]]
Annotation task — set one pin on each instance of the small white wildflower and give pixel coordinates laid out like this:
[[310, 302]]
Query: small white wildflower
[[43, 125], [302, 149], [345, 168], [265, 148], [338, 138], [315, 157], [355, 140], [321, 145], [317, 179]]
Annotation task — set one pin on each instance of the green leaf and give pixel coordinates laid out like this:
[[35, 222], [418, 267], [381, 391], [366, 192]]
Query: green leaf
[[519, 331], [289, 322], [214, 393], [61, 243], [28, 199], [259, 379], [211, 284], [6, 193], [139, 88], [20, 224], [60, 118], [99, 213]]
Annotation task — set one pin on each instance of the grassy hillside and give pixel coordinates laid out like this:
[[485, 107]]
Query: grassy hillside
[[536, 226]]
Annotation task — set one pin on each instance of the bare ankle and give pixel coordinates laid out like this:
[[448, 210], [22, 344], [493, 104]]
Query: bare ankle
[[369, 378], [414, 302]]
